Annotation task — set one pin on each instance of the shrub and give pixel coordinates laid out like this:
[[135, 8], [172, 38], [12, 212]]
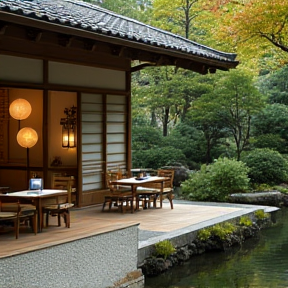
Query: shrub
[[266, 166], [262, 187], [245, 221], [223, 230], [157, 157], [164, 248], [204, 234], [261, 215], [271, 141], [216, 181]]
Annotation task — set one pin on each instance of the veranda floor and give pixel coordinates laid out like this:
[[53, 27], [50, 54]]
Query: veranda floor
[[90, 221]]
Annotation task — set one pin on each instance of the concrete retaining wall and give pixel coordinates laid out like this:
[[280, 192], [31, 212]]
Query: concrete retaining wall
[[99, 261]]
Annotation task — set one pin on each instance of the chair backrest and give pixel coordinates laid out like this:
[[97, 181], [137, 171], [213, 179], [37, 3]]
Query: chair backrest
[[10, 207], [169, 173], [111, 176], [69, 192], [61, 182]]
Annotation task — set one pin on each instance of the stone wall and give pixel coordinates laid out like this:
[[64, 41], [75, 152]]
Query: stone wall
[[269, 198], [100, 261]]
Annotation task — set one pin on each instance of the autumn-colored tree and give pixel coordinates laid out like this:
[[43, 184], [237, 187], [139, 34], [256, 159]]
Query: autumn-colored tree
[[255, 28]]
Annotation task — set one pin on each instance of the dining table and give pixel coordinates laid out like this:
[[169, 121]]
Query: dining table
[[135, 182], [38, 198]]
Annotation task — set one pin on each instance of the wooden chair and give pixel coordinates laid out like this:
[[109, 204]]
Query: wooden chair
[[28, 214], [168, 185], [119, 196], [150, 193], [61, 182], [60, 208], [9, 212], [147, 194]]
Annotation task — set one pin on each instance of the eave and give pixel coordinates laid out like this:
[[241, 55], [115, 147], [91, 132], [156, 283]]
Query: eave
[[108, 44]]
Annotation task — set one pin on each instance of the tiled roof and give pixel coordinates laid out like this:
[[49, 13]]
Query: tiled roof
[[92, 18]]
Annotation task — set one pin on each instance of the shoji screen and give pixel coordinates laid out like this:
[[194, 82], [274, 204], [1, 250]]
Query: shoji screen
[[92, 141], [116, 131]]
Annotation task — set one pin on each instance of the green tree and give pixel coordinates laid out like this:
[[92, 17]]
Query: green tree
[[175, 16], [165, 95], [271, 141], [136, 9], [190, 141], [235, 100], [274, 85], [158, 157], [271, 120], [204, 117]]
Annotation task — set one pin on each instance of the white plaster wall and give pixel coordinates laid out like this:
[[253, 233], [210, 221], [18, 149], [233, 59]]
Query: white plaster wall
[[78, 75], [21, 69]]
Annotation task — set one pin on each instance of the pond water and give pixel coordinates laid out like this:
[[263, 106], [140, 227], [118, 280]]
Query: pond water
[[259, 263]]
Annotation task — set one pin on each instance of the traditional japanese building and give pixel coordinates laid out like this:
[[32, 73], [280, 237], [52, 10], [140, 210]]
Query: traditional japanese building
[[64, 55]]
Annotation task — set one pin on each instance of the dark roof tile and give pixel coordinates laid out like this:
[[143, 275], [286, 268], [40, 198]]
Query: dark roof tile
[[93, 18]]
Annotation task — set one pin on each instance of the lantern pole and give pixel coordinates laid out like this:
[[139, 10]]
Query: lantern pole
[[28, 167]]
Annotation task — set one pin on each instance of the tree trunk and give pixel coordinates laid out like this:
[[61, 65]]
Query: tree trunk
[[165, 121]]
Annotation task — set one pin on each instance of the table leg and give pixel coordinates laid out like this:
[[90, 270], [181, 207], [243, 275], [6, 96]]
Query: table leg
[[133, 188], [40, 215], [161, 193]]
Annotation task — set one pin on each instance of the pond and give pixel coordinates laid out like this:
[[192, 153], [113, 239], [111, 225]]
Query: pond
[[259, 263]]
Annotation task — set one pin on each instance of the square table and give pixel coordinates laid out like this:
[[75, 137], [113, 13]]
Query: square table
[[35, 197], [135, 182]]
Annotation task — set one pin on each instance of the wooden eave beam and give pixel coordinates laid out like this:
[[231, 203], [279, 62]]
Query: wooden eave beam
[[3, 27], [116, 41], [54, 41], [141, 66], [33, 34]]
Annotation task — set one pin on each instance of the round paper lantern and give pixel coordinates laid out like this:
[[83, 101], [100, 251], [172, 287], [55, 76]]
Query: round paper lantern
[[20, 109], [27, 137]]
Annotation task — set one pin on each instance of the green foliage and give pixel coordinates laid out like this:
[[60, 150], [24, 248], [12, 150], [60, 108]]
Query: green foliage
[[226, 109], [145, 137], [261, 215], [281, 189], [222, 231], [272, 120], [266, 166], [261, 187], [164, 248], [190, 140], [271, 141], [204, 234], [157, 157], [245, 221], [130, 8], [216, 181], [274, 85]]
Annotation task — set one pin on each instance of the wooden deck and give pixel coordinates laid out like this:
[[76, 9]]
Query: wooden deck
[[86, 222]]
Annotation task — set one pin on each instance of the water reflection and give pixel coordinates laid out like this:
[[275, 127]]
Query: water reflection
[[259, 263]]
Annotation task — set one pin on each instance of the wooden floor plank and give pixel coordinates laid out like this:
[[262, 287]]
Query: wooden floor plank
[[90, 221]]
